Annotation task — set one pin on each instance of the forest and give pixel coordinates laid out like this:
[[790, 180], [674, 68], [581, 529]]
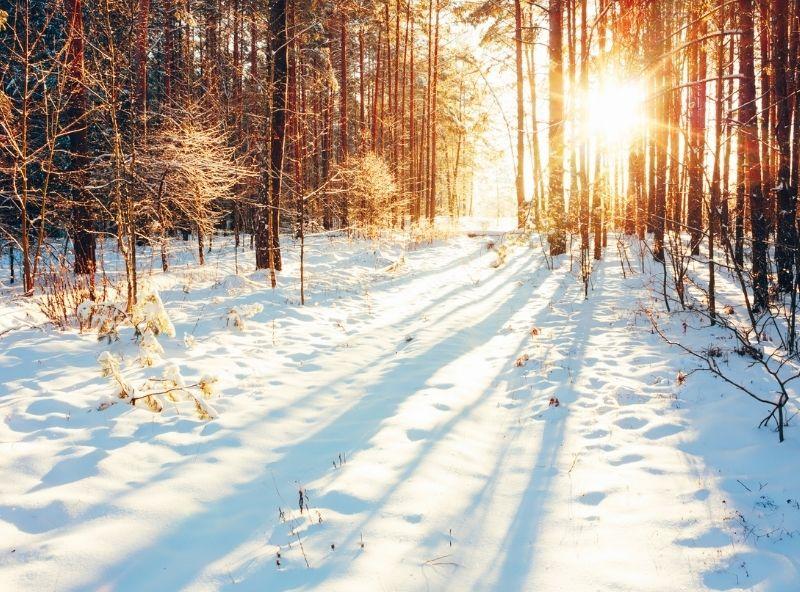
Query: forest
[[399, 294]]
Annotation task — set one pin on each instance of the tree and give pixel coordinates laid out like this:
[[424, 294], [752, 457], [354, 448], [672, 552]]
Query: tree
[[752, 168], [519, 181], [83, 237], [268, 254], [786, 239], [697, 126], [557, 237]]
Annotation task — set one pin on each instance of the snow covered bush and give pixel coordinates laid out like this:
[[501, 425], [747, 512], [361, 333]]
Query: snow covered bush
[[103, 317], [150, 314], [67, 302], [154, 393], [397, 265], [176, 390], [238, 314], [150, 319], [150, 349], [502, 255], [110, 368]]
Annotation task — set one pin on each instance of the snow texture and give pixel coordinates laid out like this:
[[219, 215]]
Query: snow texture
[[390, 410]]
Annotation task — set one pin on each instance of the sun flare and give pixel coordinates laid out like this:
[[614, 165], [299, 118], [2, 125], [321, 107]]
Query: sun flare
[[616, 111]]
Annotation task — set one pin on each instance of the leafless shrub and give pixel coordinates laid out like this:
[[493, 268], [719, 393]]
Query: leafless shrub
[[370, 191], [186, 167], [750, 351], [62, 293]]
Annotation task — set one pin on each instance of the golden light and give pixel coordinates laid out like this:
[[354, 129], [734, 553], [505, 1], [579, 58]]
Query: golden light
[[616, 111]]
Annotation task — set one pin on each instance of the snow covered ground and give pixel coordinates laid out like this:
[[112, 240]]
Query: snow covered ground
[[410, 402]]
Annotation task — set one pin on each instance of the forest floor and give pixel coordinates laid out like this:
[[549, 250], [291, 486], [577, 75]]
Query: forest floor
[[410, 400]]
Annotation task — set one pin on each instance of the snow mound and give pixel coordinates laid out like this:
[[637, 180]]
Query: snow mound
[[624, 395], [396, 266], [238, 314], [236, 284], [388, 263]]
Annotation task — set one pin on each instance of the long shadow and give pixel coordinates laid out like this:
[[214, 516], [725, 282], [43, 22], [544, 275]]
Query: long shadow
[[228, 521], [173, 468], [481, 500], [514, 556], [405, 322], [432, 440], [309, 398]]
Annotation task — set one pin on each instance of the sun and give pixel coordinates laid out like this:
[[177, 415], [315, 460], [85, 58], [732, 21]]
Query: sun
[[616, 110]]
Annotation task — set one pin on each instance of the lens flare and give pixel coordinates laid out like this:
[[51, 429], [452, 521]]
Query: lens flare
[[616, 111]]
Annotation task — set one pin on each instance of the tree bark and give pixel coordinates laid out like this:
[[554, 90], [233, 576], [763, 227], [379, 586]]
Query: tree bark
[[268, 255], [697, 129], [520, 168], [785, 241], [557, 236], [748, 125], [83, 236]]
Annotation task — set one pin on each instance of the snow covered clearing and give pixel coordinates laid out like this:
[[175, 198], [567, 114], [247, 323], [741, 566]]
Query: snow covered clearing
[[434, 418]]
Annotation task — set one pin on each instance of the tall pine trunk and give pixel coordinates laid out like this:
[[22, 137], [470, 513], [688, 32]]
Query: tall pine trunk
[[748, 125], [83, 236], [785, 242], [557, 236], [268, 255], [520, 167]]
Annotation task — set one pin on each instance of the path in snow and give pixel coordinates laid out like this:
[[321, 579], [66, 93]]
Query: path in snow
[[458, 474]]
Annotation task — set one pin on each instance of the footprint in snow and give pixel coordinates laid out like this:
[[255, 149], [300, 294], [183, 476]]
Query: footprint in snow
[[593, 498], [631, 423], [595, 383], [663, 431], [341, 502], [587, 405], [626, 460], [596, 434], [415, 435], [713, 538], [626, 396]]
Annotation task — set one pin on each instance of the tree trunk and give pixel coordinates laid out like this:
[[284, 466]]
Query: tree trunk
[[83, 237], [748, 125], [140, 66], [434, 118], [520, 168], [557, 237], [785, 242], [268, 255], [697, 129]]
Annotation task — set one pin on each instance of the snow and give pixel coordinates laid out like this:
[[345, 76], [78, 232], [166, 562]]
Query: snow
[[427, 458]]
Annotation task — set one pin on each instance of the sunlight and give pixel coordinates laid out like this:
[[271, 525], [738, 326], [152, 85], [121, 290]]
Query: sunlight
[[616, 111]]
